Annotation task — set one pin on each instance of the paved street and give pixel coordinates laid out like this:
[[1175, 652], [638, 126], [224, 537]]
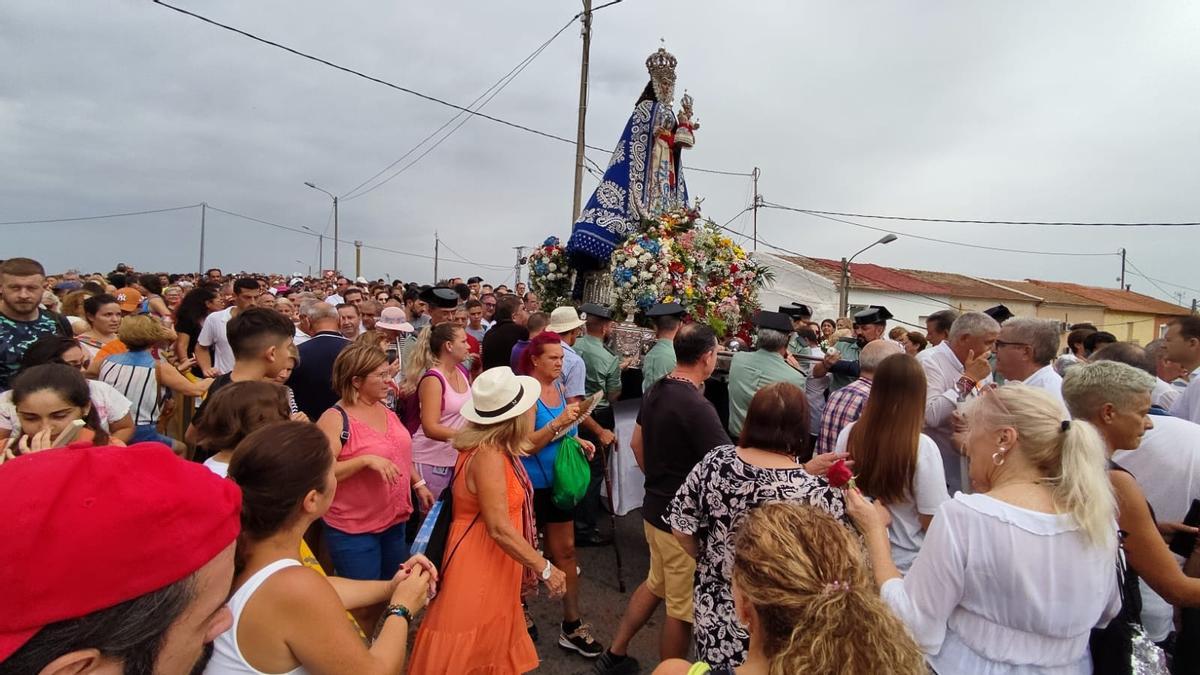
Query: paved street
[[601, 602]]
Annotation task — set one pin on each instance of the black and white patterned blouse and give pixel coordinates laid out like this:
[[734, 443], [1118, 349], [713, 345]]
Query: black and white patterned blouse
[[717, 493]]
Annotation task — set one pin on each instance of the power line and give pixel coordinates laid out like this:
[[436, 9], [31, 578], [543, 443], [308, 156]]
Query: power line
[[100, 217], [385, 249], [996, 222], [1153, 282], [498, 86], [397, 87], [771, 205], [1161, 281], [720, 173]]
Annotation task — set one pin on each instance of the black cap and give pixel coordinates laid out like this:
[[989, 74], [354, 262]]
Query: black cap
[[796, 310], [440, 297], [666, 309], [1000, 313], [592, 309], [774, 321], [872, 314]]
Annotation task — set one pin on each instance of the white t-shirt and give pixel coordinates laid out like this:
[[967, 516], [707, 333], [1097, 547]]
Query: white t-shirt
[[213, 336], [219, 468], [1048, 380], [929, 491], [110, 406], [1165, 394]]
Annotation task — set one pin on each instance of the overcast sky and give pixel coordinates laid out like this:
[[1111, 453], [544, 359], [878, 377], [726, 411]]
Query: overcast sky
[[1082, 111]]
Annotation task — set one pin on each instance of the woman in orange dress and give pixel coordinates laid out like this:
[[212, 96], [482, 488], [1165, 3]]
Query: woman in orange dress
[[475, 624]]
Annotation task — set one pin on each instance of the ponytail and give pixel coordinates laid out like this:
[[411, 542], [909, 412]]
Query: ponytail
[[1083, 488], [420, 359]]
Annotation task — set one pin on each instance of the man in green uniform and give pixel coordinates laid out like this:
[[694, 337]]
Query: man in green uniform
[[660, 360], [770, 363], [603, 374], [869, 325], [800, 315]]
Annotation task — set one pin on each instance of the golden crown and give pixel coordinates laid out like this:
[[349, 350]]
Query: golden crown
[[661, 64]]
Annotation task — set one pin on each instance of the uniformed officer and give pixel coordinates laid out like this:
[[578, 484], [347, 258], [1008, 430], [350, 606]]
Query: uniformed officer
[[660, 360], [768, 364], [603, 374], [800, 314], [869, 325]]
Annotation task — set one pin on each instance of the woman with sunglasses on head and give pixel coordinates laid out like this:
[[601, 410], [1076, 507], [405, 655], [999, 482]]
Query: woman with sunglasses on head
[[1012, 578], [112, 409]]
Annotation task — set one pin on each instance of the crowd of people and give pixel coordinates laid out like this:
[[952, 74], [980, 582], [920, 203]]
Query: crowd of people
[[237, 473]]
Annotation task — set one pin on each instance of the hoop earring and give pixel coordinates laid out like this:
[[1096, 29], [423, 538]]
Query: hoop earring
[[999, 456]]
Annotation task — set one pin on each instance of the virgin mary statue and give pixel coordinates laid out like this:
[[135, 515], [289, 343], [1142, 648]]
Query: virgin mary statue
[[644, 178]]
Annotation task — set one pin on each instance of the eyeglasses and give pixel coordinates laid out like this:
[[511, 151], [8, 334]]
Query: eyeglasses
[[1002, 343]]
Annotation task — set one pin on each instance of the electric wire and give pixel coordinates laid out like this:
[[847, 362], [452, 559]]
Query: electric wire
[[100, 217], [772, 205], [997, 222], [494, 90]]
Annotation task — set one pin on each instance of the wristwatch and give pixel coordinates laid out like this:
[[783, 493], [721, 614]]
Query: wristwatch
[[547, 571]]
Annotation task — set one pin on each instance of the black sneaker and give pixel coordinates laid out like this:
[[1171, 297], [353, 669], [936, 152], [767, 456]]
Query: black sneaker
[[611, 664], [529, 624], [581, 640]]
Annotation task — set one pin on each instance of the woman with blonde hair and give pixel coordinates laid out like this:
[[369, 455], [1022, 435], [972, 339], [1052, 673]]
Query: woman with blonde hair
[[442, 392], [802, 591], [365, 525], [896, 463], [139, 376], [476, 624], [1013, 578]]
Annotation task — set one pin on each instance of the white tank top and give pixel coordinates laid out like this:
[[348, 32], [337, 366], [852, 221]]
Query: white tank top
[[227, 658]]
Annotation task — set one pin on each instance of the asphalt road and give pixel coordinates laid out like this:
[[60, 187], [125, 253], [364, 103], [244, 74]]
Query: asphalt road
[[601, 602]]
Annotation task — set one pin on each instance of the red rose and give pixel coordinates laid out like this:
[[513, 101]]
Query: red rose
[[839, 474]]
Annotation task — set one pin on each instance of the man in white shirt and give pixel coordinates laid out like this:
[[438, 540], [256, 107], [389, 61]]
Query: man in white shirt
[[1183, 347], [956, 370], [336, 298], [214, 356], [937, 330], [1166, 391], [1024, 351]]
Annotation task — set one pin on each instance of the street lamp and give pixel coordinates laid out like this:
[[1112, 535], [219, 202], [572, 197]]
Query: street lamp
[[320, 246], [309, 267], [844, 296], [335, 222]]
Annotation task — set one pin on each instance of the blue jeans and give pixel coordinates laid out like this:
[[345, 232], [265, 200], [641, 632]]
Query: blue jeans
[[146, 433], [367, 557]]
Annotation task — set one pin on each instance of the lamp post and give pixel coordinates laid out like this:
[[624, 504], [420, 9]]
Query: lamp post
[[309, 267], [335, 222], [844, 296], [320, 247]]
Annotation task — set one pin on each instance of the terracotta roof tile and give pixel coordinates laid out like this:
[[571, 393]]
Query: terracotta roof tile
[[1118, 300], [1048, 294], [868, 276], [962, 286]]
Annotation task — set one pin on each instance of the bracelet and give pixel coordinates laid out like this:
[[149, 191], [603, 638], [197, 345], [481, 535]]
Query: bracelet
[[400, 611], [420, 484]]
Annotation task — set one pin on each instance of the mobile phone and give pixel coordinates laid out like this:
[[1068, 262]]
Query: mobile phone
[[1182, 544]]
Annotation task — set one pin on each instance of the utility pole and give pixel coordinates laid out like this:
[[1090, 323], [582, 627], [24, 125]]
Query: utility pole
[[517, 268], [1193, 305], [757, 202], [586, 19], [844, 289], [1123, 269], [357, 258], [436, 245], [321, 253], [203, 213], [335, 235]]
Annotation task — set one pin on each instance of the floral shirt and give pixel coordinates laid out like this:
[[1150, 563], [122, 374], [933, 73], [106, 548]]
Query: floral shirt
[[718, 492]]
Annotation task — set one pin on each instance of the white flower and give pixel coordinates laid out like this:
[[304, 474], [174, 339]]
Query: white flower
[[637, 250], [645, 274], [646, 257], [553, 267], [654, 267], [631, 263]]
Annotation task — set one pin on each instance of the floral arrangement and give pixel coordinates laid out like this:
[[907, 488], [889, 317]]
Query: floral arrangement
[[550, 274], [683, 257]]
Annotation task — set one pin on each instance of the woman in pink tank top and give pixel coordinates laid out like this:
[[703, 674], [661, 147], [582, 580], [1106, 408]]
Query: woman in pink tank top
[[365, 524], [442, 392]]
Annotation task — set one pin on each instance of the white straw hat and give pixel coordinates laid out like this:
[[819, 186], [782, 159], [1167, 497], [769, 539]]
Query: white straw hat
[[394, 318], [564, 320], [498, 395]]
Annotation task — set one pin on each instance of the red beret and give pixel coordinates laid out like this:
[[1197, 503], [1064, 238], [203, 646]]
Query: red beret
[[87, 528]]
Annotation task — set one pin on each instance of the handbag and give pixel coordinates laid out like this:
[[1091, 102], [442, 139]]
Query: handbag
[[571, 474], [434, 534], [1122, 647]]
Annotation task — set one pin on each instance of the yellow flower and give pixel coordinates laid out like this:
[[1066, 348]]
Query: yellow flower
[[689, 291], [669, 298]]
